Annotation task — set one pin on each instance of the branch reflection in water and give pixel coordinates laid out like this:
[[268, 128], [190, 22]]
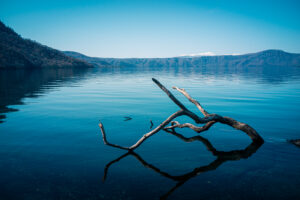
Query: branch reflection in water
[[221, 157]]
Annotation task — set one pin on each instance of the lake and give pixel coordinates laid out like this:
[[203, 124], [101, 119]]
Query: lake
[[51, 146]]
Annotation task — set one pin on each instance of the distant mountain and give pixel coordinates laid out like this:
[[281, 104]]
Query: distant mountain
[[263, 58], [16, 52], [91, 60]]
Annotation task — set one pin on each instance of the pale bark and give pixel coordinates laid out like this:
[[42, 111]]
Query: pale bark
[[176, 124], [198, 105], [145, 136], [208, 120]]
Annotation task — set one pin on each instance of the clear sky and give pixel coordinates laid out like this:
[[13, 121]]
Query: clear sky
[[126, 28]]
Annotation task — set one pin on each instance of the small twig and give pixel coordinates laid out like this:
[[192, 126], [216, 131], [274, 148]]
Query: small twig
[[151, 124], [127, 118], [198, 105], [106, 142]]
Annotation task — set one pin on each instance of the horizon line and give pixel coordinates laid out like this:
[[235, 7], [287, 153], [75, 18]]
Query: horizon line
[[204, 54]]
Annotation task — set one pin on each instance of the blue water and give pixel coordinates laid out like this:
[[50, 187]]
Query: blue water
[[51, 146]]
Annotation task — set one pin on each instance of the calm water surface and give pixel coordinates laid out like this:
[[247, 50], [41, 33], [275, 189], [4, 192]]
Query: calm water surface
[[51, 146]]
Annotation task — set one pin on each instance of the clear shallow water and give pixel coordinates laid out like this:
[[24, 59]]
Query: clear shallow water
[[51, 146]]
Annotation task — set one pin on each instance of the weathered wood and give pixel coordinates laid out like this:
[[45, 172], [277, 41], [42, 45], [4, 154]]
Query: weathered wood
[[170, 95], [176, 124], [145, 136], [105, 140], [208, 120], [198, 105]]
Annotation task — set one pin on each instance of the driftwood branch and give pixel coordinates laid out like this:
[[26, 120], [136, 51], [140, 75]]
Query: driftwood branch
[[208, 120], [144, 137], [198, 105], [176, 124]]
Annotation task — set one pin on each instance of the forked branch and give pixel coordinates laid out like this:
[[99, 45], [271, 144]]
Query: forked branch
[[145, 136], [208, 120], [198, 105]]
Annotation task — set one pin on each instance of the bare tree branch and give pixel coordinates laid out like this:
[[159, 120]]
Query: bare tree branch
[[176, 124], [170, 95], [105, 140], [208, 120], [198, 105], [217, 118], [144, 137]]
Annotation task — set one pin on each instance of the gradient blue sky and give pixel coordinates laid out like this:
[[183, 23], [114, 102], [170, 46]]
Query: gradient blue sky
[[127, 28]]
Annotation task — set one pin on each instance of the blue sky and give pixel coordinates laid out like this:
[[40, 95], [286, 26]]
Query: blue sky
[[143, 28]]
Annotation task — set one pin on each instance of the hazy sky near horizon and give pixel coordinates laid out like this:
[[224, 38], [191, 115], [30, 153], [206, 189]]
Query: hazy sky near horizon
[[127, 28]]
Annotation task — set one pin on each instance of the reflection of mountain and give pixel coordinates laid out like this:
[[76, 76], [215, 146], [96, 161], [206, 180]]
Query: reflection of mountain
[[270, 66], [264, 58], [221, 157], [263, 74], [16, 52], [18, 84]]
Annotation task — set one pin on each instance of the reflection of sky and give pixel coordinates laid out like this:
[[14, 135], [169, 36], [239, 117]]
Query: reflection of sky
[[157, 28], [119, 94]]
